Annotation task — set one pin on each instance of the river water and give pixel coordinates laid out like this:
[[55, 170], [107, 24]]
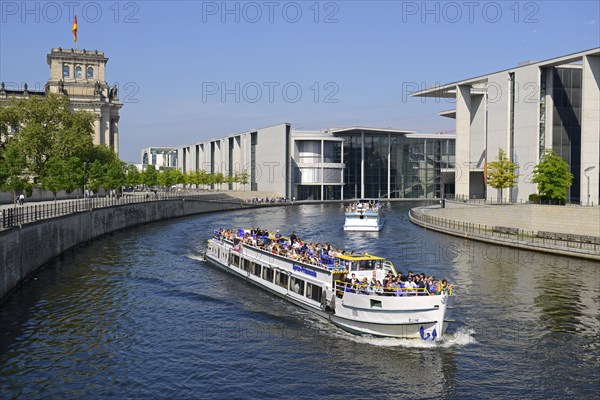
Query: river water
[[137, 314]]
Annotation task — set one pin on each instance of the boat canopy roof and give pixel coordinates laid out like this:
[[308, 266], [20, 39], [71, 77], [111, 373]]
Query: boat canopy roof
[[358, 257]]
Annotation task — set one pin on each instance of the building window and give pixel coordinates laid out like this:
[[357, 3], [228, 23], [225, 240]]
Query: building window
[[90, 72], [66, 71], [78, 72], [309, 151]]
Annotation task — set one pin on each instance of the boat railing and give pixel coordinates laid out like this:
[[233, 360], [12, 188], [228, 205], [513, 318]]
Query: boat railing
[[325, 262], [342, 287]]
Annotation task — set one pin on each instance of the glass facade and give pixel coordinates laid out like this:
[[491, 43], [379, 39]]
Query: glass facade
[[352, 173], [376, 165], [414, 171], [566, 122]]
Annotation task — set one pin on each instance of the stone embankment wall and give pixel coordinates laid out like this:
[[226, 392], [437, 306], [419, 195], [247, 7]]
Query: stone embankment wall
[[529, 217], [23, 250]]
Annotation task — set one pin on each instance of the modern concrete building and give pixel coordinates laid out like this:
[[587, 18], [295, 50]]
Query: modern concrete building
[[159, 157], [79, 74], [332, 164], [552, 104]]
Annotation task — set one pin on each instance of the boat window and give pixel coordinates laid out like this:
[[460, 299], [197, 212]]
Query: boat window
[[267, 274], [313, 292], [375, 303], [281, 279], [366, 265], [297, 285], [235, 260], [247, 265], [256, 269]]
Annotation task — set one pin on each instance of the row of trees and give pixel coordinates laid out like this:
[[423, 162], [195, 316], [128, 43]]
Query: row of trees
[[551, 175], [44, 143], [169, 177]]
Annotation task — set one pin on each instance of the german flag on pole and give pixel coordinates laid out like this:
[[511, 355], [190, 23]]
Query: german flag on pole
[[74, 29]]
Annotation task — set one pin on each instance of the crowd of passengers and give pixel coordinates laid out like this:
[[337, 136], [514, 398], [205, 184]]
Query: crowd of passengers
[[320, 254], [267, 200], [410, 284], [371, 205]]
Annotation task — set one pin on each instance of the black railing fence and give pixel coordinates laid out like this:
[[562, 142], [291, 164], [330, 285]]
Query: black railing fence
[[481, 201], [535, 238], [25, 214]]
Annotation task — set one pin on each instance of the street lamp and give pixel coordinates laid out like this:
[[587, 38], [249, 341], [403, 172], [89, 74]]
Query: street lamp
[[585, 171]]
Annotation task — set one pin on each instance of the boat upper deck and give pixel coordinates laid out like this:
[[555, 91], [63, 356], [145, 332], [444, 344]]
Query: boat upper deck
[[364, 206], [319, 255], [328, 259]]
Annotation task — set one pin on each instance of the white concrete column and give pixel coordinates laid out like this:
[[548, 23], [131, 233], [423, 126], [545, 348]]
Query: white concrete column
[[343, 170], [389, 165], [115, 132], [590, 129], [463, 134], [98, 129], [362, 164]]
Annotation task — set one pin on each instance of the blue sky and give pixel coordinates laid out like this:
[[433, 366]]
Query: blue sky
[[189, 71]]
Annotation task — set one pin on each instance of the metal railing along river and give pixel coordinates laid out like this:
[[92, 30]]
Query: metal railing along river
[[25, 214], [569, 242]]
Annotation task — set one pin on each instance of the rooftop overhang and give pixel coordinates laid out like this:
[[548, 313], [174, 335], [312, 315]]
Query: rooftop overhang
[[478, 83], [448, 114], [439, 135], [368, 130]]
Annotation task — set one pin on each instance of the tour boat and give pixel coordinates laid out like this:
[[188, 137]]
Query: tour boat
[[365, 215], [321, 286]]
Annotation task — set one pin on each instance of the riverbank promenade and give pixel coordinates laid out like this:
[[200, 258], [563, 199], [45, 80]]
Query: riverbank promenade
[[31, 211], [564, 230]]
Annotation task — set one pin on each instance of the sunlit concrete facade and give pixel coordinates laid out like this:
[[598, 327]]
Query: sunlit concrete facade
[[159, 157], [331, 164], [553, 104]]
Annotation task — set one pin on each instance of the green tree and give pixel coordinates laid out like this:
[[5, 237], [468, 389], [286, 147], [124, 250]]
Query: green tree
[[243, 179], [164, 179], [501, 174], [552, 177], [218, 179], [55, 177], [204, 178], [150, 176], [115, 175], [96, 172], [49, 129], [230, 180], [12, 168], [134, 177]]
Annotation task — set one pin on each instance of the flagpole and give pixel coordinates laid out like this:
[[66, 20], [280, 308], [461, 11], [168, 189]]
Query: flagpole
[[74, 30]]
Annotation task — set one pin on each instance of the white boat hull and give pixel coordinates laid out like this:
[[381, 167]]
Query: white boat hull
[[389, 316], [375, 224]]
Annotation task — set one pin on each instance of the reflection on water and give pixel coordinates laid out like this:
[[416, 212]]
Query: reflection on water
[[137, 314]]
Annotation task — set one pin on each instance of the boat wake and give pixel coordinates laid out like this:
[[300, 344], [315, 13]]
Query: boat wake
[[459, 338], [196, 257]]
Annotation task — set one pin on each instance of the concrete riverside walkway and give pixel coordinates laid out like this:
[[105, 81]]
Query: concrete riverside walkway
[[565, 230]]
